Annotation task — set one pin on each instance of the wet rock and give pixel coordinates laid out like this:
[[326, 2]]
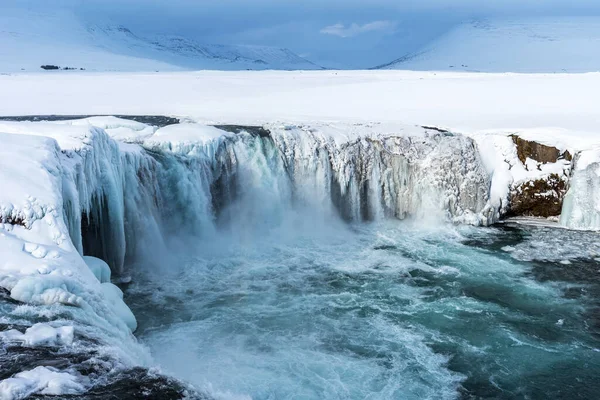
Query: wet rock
[[541, 197], [538, 198]]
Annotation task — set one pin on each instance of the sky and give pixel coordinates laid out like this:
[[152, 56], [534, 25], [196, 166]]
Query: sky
[[332, 33]]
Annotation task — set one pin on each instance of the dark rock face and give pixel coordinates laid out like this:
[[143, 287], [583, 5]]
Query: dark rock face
[[539, 198], [12, 221], [538, 152]]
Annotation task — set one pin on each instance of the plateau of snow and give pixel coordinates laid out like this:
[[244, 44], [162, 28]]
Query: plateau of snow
[[553, 109], [529, 45]]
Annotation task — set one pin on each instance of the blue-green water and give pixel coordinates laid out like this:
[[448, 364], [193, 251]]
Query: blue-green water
[[389, 310]]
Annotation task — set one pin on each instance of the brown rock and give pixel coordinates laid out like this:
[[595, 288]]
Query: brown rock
[[538, 152], [539, 198]]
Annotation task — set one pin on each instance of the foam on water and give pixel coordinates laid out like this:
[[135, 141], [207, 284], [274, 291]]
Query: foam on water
[[380, 311]]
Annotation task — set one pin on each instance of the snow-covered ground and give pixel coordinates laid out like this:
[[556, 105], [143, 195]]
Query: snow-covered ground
[[30, 39], [550, 44], [547, 107]]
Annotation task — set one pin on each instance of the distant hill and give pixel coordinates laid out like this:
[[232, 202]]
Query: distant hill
[[30, 39], [562, 44]]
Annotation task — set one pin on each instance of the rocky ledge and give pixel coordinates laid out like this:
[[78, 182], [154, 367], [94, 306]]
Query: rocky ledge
[[543, 196]]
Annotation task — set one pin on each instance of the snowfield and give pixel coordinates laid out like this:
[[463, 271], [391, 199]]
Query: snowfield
[[548, 107]]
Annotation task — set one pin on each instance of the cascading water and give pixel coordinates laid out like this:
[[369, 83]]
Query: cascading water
[[273, 265]]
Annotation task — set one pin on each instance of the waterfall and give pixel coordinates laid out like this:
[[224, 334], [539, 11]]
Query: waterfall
[[135, 202]]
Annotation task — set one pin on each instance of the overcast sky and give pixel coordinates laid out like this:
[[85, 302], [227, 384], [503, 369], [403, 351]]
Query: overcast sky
[[334, 33]]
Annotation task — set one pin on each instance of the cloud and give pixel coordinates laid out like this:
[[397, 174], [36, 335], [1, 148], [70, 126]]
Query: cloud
[[355, 29]]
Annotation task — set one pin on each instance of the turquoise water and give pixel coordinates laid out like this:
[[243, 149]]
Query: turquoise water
[[388, 310]]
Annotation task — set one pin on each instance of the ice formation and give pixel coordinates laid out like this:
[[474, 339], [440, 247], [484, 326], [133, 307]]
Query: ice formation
[[82, 199], [581, 209], [40, 380]]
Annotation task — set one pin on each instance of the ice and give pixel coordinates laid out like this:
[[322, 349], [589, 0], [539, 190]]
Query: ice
[[375, 170], [581, 208], [41, 334], [40, 380], [187, 139], [100, 268], [69, 171], [114, 296], [118, 128]]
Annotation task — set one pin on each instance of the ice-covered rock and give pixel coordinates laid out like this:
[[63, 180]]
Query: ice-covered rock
[[41, 380], [41, 334], [529, 178], [373, 171]]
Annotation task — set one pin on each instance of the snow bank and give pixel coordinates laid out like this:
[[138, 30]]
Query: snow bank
[[189, 139], [124, 130]]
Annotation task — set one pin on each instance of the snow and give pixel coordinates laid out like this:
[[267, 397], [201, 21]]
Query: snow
[[41, 264], [40, 380], [560, 106], [553, 109], [124, 130], [548, 44], [61, 38], [41, 334], [586, 158], [187, 138]]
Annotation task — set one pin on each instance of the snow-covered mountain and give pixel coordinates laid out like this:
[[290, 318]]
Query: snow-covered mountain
[[30, 39], [560, 44]]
